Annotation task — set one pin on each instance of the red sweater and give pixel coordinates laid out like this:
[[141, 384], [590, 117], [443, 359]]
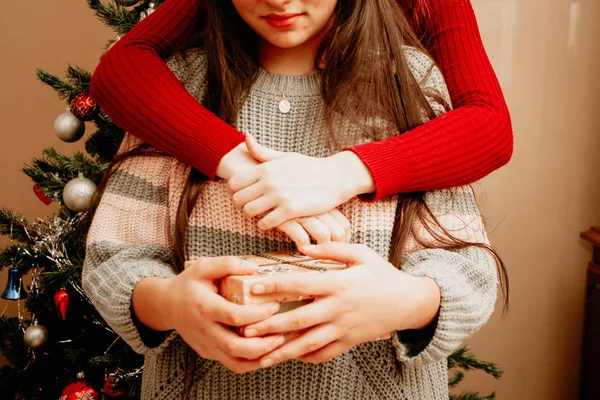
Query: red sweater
[[137, 90]]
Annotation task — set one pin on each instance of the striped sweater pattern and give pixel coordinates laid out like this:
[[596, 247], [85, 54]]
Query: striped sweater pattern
[[131, 238]]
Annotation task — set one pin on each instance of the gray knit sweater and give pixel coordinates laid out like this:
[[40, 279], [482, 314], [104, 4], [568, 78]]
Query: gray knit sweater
[[130, 239]]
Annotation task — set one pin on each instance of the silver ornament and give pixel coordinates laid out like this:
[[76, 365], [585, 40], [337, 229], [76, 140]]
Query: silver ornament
[[68, 127], [126, 3], [79, 193], [151, 8], [35, 336]]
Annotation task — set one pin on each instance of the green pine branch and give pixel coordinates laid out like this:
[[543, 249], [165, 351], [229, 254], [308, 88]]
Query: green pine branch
[[465, 360], [79, 78], [14, 226], [472, 396], [52, 171], [115, 16], [11, 342], [105, 142], [456, 379], [9, 256], [76, 83], [64, 89]]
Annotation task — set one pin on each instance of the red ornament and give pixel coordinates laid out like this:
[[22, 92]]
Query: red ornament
[[109, 387], [79, 390], [83, 107], [62, 302], [39, 192]]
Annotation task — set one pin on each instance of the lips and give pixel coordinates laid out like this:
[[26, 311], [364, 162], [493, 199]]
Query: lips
[[281, 20]]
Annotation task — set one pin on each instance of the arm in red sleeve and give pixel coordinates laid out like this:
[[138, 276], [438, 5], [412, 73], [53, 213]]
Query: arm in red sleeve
[[136, 89], [462, 145]]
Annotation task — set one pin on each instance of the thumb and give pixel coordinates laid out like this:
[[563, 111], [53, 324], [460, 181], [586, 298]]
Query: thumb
[[349, 253], [213, 268], [260, 152]]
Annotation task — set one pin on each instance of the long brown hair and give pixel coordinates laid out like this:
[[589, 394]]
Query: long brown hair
[[362, 52], [365, 75]]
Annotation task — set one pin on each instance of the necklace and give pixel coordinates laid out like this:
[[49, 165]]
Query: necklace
[[284, 103]]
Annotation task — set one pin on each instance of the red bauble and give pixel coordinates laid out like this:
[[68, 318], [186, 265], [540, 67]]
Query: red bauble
[[83, 107], [62, 302], [109, 387], [79, 390], [39, 192]]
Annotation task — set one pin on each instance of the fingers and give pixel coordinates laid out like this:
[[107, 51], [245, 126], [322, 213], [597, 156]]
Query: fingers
[[228, 313], [296, 320], [336, 232], [260, 206], [198, 343], [246, 195], [238, 366], [276, 217], [344, 223], [246, 348], [260, 152], [306, 285], [343, 252], [296, 232], [316, 228], [326, 353], [212, 268], [310, 342], [240, 181]]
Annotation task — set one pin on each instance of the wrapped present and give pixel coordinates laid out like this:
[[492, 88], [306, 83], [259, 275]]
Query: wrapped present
[[236, 288]]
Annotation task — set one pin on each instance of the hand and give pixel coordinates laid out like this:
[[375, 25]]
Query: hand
[[291, 185], [237, 161], [368, 300], [192, 306], [331, 226]]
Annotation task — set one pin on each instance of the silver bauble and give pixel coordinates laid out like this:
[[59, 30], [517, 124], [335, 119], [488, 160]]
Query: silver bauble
[[68, 127], [78, 194], [126, 3], [151, 8], [35, 336]]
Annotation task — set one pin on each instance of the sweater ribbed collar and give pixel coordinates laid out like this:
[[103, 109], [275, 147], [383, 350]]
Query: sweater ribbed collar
[[288, 85]]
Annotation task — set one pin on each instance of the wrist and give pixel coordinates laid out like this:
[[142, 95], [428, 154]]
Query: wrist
[[355, 177], [237, 160], [150, 303], [428, 297], [425, 300]]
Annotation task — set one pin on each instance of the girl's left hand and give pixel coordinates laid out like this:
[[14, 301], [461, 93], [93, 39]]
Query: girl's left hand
[[366, 301], [286, 186]]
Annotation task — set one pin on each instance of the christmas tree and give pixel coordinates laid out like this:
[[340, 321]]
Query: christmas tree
[[58, 346]]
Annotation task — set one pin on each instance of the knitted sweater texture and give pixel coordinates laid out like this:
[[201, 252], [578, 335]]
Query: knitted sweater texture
[[131, 238], [135, 88]]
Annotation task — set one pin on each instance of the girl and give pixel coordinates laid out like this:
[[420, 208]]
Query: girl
[[135, 88], [156, 246]]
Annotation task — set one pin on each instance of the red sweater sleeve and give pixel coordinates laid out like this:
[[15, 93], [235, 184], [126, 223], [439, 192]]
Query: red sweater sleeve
[[133, 85], [462, 145]]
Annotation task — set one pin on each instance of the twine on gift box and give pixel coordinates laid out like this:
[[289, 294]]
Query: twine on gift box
[[297, 264]]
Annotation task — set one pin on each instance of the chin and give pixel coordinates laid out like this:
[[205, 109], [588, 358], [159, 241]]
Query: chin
[[286, 40]]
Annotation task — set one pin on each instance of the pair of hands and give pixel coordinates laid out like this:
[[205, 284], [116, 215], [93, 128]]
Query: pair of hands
[[361, 303], [294, 193]]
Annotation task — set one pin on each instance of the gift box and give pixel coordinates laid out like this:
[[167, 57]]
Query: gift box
[[236, 288]]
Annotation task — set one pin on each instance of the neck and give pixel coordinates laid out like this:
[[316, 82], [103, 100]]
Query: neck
[[299, 60]]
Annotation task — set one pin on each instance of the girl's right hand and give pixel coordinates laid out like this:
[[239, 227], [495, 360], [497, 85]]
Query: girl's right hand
[[202, 317], [332, 226]]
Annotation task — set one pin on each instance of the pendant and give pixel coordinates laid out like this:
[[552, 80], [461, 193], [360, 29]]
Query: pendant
[[284, 106]]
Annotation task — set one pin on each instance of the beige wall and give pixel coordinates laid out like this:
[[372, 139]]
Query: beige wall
[[546, 53]]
